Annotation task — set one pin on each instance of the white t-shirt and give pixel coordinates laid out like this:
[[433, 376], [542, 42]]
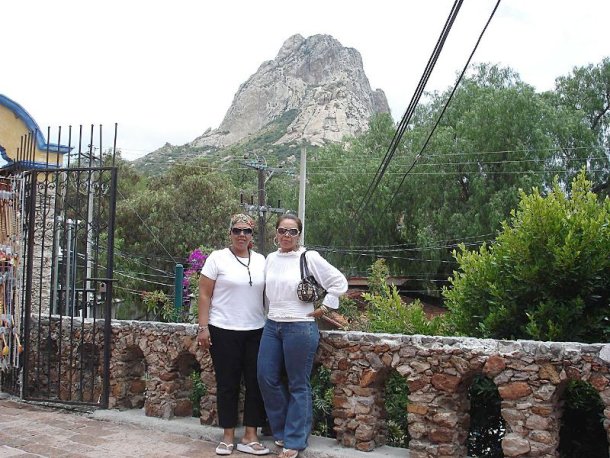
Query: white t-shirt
[[236, 305], [283, 274]]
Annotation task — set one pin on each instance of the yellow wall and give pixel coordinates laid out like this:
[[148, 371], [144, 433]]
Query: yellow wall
[[12, 129]]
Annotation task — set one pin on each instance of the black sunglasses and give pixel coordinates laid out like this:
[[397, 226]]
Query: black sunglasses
[[241, 230], [291, 232]]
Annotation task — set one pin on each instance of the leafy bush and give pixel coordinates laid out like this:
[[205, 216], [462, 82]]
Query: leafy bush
[[354, 312], [199, 390], [389, 314], [159, 304], [547, 277]]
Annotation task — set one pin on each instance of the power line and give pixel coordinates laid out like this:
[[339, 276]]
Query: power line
[[410, 109], [150, 230], [379, 255], [440, 116], [122, 274], [501, 172], [469, 163]]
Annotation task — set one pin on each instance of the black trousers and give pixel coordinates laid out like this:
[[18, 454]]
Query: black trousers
[[234, 355]]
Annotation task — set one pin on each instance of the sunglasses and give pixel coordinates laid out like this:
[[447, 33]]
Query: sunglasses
[[291, 232], [240, 230]]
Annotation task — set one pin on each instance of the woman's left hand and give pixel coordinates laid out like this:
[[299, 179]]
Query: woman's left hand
[[317, 313]]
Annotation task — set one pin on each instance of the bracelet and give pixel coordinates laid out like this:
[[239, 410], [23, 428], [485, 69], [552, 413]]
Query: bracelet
[[203, 327], [324, 308]]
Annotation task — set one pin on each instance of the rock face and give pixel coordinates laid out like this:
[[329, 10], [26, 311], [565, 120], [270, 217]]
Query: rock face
[[317, 79]]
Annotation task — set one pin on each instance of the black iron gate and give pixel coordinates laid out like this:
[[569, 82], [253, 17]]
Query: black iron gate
[[66, 215]]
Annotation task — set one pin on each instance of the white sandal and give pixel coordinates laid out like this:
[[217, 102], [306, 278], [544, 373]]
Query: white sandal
[[224, 449], [253, 448], [288, 453]]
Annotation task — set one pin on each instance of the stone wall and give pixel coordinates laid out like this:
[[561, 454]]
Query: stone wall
[[151, 365]]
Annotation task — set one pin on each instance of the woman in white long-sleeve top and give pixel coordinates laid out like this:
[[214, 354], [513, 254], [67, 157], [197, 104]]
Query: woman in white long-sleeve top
[[290, 337]]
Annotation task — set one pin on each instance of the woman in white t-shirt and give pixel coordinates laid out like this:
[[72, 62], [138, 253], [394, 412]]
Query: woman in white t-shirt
[[231, 320]]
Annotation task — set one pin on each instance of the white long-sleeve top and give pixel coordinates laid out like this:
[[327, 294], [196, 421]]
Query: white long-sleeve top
[[283, 274]]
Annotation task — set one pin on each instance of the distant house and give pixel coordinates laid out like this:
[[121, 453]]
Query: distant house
[[22, 143]]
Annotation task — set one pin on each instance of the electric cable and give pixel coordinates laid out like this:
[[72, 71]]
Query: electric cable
[[150, 231], [410, 109], [440, 116]]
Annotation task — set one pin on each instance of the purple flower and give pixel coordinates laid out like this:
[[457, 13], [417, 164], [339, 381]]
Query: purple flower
[[196, 260]]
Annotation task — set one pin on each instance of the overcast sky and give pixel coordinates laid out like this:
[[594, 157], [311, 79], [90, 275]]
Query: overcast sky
[[165, 71]]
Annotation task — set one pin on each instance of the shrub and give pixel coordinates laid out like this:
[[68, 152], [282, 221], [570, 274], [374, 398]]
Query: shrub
[[547, 277], [159, 304], [396, 400], [387, 312], [198, 391], [322, 398]]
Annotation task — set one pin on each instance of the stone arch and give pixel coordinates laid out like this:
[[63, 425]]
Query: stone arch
[[395, 402], [88, 370], [130, 374], [580, 431], [486, 425], [178, 383]]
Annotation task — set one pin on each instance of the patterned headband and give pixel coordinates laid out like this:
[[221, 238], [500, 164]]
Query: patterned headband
[[241, 218]]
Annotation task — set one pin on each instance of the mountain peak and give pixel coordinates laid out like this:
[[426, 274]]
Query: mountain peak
[[317, 78]]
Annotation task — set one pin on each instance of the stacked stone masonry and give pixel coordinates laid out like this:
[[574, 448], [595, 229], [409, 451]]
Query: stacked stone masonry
[[151, 364]]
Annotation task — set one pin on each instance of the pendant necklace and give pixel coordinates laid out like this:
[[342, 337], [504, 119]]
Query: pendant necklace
[[247, 266]]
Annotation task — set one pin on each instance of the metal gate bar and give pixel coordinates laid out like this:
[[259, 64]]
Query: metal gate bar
[[67, 254]]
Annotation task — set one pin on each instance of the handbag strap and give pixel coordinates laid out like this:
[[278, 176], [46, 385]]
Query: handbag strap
[[303, 266]]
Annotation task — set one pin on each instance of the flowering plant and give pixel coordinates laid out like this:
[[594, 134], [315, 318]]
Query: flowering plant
[[190, 282]]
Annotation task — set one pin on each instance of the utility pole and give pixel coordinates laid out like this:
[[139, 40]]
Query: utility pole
[[262, 201], [261, 210], [302, 184]]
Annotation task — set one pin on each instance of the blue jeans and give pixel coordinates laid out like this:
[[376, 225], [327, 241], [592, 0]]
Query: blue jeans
[[288, 348]]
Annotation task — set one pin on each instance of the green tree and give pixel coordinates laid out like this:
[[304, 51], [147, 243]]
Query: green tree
[[497, 136], [186, 208], [338, 177], [546, 277], [585, 93], [156, 228]]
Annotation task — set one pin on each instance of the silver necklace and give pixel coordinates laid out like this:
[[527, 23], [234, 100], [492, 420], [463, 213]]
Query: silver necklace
[[247, 266]]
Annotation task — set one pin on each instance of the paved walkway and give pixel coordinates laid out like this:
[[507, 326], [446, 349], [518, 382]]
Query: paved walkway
[[33, 430]]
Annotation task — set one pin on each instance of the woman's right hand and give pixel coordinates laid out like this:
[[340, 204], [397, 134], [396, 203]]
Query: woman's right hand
[[204, 339]]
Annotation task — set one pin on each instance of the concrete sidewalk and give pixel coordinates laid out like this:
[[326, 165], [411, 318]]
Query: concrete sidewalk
[[33, 430]]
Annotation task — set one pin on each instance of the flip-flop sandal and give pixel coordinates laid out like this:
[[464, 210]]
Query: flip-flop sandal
[[224, 449], [288, 453], [253, 448], [279, 443]]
